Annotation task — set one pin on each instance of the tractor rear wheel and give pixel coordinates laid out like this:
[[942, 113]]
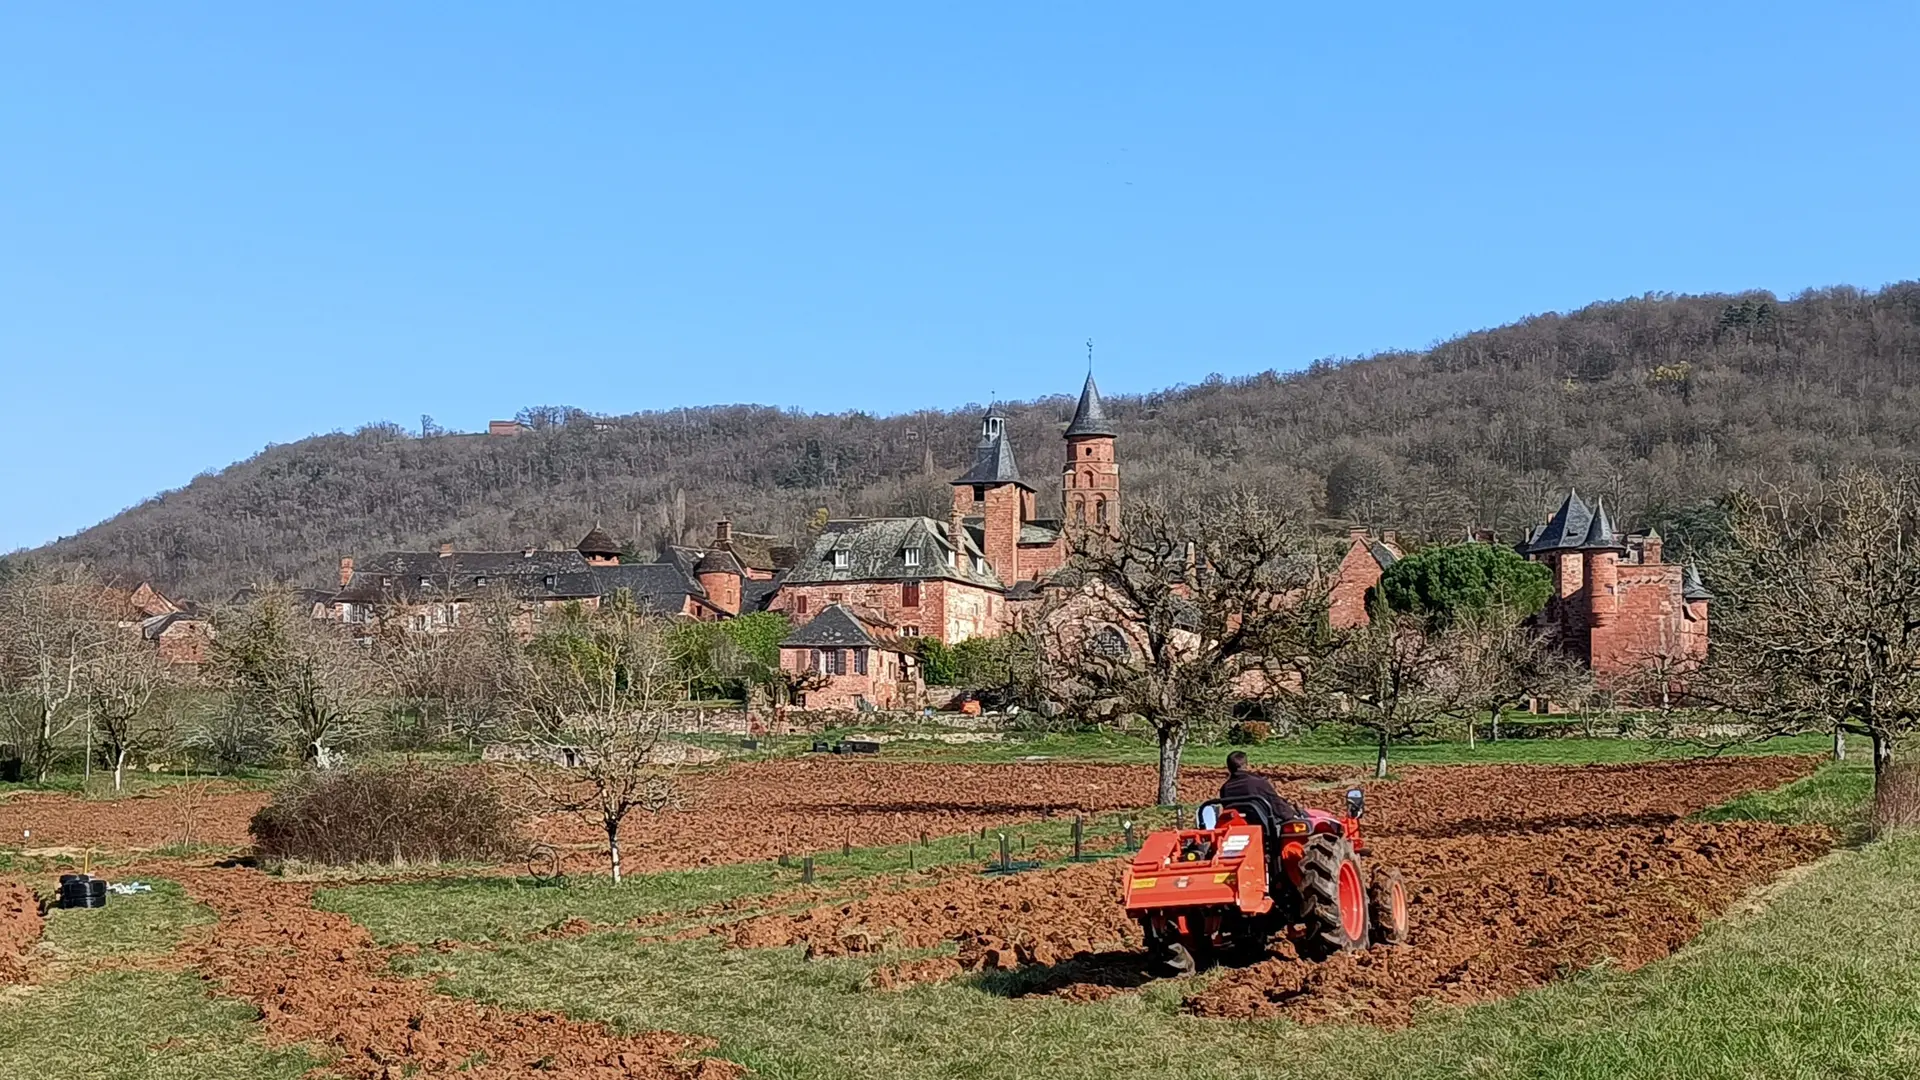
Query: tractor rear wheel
[[1333, 897], [1387, 908]]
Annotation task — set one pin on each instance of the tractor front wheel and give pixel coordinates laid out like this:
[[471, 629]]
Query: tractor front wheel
[[1387, 908], [1333, 898]]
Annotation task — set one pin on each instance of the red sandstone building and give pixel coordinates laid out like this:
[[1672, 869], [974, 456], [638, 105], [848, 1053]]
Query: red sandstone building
[[1364, 564], [1617, 605], [853, 663]]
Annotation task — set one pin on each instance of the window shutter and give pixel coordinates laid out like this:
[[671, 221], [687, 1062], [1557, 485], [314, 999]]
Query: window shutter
[[859, 661]]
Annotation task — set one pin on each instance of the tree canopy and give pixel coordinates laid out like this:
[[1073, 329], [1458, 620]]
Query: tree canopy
[[1447, 582]]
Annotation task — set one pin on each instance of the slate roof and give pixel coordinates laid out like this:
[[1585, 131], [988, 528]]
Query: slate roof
[[836, 627], [1600, 535], [153, 626], [656, 586], [757, 595], [760, 551], [300, 597], [876, 551], [719, 561], [1090, 417], [1691, 587], [520, 574], [597, 542], [1039, 532], [1566, 529], [993, 463], [1382, 554]]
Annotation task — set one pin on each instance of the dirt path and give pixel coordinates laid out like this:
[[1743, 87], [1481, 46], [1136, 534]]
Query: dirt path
[[318, 978]]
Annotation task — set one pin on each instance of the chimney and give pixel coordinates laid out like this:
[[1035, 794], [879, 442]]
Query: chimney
[[446, 551], [956, 535], [1356, 532], [346, 571], [1390, 537], [1192, 575], [723, 534]]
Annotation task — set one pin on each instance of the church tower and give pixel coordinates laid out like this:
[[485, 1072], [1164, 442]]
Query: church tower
[[1090, 481]]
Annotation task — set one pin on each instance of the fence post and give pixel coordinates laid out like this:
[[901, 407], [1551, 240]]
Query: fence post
[[806, 871]]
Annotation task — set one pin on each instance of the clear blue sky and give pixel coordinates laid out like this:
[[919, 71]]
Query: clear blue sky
[[228, 225]]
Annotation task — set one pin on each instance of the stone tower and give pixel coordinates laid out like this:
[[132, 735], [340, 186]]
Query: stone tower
[[993, 494], [1090, 480]]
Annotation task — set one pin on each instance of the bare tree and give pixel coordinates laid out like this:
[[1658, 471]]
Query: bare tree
[[1498, 663], [313, 687], [1181, 612], [58, 626], [1392, 676], [1818, 627], [594, 695], [130, 707]]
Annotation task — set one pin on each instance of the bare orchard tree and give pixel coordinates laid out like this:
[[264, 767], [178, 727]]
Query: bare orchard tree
[[131, 707], [594, 696], [1498, 663], [1393, 676], [313, 688], [58, 626], [1818, 624], [1179, 613]]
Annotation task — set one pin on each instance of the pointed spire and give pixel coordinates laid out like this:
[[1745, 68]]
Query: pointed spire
[[993, 460], [1567, 528], [1691, 587], [1090, 417], [1600, 534]]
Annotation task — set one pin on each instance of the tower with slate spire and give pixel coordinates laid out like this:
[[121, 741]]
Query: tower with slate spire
[[1090, 480], [991, 498]]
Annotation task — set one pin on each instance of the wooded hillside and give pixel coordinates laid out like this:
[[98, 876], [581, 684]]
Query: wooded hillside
[[1658, 404]]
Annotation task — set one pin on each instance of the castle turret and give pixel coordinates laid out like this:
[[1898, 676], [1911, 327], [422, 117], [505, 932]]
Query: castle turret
[[1090, 480], [993, 492], [1601, 549], [720, 574]]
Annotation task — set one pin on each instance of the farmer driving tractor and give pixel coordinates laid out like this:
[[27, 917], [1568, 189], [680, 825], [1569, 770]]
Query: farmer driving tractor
[[1244, 783]]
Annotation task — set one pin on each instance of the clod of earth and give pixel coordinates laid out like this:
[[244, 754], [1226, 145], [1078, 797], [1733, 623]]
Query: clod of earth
[[20, 926]]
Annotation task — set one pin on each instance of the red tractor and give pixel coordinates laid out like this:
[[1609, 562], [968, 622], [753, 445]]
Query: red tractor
[[1248, 872]]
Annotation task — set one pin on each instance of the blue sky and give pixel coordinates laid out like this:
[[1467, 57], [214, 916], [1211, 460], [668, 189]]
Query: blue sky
[[228, 225]]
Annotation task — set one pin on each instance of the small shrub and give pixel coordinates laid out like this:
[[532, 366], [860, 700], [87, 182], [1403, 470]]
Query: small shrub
[[403, 814], [1249, 733]]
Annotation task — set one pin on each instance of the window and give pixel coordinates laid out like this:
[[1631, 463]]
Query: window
[[1089, 452], [1109, 642], [912, 556], [1080, 511], [834, 661], [551, 581], [979, 565], [800, 604], [909, 631], [841, 558], [979, 493], [481, 581], [424, 582], [910, 594], [419, 622], [1100, 510], [859, 661], [386, 583], [817, 661]]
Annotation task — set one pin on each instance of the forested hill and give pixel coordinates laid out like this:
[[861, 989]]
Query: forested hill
[[1658, 404]]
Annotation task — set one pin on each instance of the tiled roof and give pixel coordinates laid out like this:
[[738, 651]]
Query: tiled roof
[[719, 561], [547, 575], [597, 542], [1566, 529], [1600, 535], [1090, 417], [1691, 587], [835, 627], [1036, 532], [993, 463], [875, 549], [657, 586]]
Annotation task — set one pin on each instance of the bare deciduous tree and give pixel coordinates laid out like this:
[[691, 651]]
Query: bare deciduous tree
[[1181, 612], [130, 706], [1818, 625], [594, 696], [312, 687], [58, 627]]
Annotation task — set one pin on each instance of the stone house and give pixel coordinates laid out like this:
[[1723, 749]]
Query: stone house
[[912, 574], [851, 663], [1361, 568], [1617, 605]]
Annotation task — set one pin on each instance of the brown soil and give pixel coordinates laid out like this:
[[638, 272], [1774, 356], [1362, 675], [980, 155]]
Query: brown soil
[[318, 978], [20, 926], [1517, 875], [202, 812]]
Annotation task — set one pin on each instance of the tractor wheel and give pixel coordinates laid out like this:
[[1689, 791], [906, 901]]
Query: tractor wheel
[[1387, 908], [1333, 897]]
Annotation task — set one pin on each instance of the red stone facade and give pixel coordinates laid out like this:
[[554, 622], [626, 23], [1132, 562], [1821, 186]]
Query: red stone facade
[[890, 679], [952, 611], [1365, 562]]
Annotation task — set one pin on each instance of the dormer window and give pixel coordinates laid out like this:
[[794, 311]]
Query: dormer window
[[386, 583], [979, 565], [912, 556], [842, 558], [481, 581], [552, 581], [424, 582]]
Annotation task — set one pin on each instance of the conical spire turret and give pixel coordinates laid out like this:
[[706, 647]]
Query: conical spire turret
[[1090, 416]]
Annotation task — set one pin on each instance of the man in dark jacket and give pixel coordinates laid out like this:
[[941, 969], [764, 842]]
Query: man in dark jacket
[[1244, 783]]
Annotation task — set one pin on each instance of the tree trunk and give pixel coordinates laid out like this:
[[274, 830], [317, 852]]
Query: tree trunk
[[1173, 739], [613, 849], [1882, 757], [119, 767], [1494, 734], [1380, 761], [1839, 745]]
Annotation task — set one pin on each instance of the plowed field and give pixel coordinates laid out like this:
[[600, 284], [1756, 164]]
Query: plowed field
[[1517, 875]]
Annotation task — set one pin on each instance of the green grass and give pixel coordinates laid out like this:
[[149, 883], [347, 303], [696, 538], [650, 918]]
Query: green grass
[[487, 908], [1836, 796], [136, 1025], [142, 924], [1821, 984]]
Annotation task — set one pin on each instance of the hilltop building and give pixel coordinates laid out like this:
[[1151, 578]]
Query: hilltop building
[[852, 663]]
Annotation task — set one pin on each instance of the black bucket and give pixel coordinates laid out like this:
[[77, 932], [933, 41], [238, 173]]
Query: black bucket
[[81, 891]]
